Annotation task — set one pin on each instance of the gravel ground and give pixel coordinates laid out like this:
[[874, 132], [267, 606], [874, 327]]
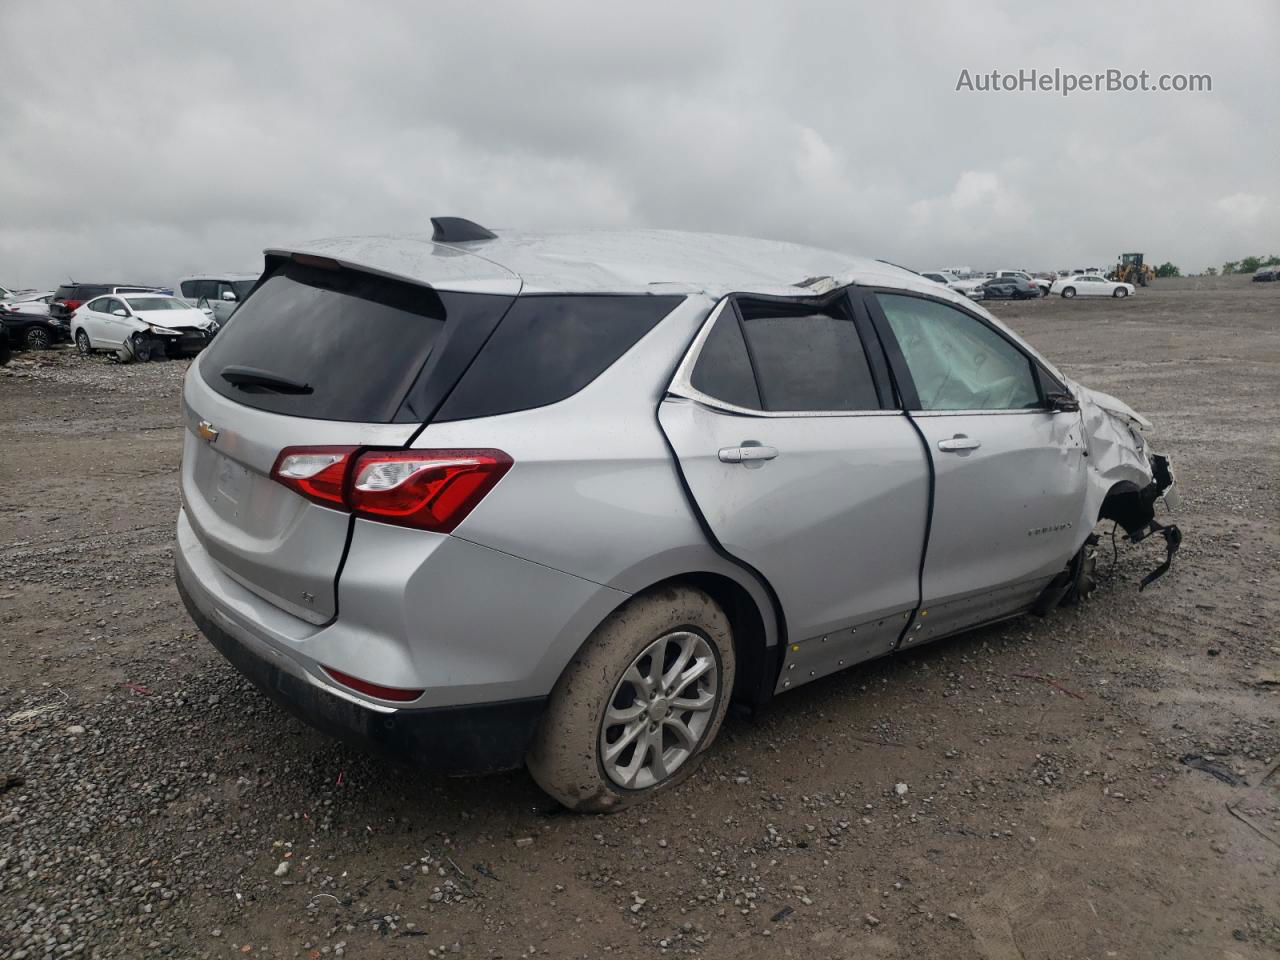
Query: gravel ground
[[1015, 793]]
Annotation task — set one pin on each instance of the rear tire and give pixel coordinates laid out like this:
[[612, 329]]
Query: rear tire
[[83, 344], [1069, 292], [609, 739]]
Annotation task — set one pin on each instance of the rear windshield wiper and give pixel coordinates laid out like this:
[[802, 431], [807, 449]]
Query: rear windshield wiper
[[251, 378]]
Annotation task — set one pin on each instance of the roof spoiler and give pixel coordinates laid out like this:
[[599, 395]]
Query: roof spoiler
[[458, 230]]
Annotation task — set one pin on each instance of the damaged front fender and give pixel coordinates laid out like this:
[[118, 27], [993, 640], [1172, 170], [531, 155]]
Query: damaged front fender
[[1126, 479]]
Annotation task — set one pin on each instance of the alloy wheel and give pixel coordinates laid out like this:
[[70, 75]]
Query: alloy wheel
[[660, 710]]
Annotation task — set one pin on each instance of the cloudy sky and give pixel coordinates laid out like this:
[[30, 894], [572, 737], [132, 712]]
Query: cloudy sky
[[142, 140]]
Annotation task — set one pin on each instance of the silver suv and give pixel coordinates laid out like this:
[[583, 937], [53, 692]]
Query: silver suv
[[558, 499]]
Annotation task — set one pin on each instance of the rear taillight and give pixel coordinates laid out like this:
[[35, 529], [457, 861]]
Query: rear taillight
[[427, 489], [315, 472]]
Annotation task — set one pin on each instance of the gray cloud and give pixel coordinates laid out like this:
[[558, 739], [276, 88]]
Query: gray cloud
[[144, 140]]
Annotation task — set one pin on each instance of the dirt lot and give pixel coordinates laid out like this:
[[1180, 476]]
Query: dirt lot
[[153, 804]]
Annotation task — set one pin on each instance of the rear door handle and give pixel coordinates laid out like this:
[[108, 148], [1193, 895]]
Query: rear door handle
[[747, 453], [957, 443]]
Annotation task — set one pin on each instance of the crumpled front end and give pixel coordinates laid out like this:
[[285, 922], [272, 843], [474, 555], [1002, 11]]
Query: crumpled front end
[[1126, 478]]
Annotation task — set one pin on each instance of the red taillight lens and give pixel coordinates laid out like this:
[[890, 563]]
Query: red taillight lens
[[428, 489], [398, 694], [317, 473]]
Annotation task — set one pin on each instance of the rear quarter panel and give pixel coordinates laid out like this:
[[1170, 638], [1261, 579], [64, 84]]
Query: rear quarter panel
[[594, 490]]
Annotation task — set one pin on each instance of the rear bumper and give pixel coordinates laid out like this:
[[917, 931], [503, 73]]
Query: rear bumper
[[480, 738], [483, 634]]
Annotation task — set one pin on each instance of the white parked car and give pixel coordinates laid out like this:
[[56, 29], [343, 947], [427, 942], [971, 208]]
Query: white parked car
[[140, 325], [970, 288], [1090, 285], [37, 303]]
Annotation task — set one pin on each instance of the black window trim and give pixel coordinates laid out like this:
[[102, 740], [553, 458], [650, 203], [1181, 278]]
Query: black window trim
[[872, 346], [898, 364]]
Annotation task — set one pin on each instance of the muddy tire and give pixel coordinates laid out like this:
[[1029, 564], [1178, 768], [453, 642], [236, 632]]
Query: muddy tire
[[638, 705], [83, 344], [1068, 292]]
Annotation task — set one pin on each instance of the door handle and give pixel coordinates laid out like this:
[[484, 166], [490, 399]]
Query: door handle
[[747, 453], [958, 443]]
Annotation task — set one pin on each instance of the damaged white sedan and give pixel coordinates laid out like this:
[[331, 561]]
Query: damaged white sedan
[[138, 326]]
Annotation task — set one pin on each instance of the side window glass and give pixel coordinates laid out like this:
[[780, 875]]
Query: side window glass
[[547, 348], [723, 370], [807, 358], [189, 289], [112, 305], [956, 360]]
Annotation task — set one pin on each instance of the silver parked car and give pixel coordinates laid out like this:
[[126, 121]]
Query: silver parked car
[[216, 293], [557, 499]]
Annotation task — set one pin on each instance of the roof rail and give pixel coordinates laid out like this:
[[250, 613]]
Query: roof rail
[[458, 230]]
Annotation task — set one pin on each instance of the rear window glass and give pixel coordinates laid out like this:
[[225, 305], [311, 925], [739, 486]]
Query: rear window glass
[[356, 341], [548, 348], [807, 357]]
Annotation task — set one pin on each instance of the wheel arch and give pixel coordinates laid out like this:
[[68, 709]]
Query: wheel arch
[[1126, 505], [755, 620]]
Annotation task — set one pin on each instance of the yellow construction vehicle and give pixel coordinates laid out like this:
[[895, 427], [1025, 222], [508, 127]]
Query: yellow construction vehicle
[[1131, 269]]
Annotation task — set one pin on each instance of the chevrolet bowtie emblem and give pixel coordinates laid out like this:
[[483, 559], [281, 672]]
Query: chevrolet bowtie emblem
[[207, 431]]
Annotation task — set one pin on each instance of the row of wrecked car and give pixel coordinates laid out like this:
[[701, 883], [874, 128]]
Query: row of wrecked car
[[129, 321]]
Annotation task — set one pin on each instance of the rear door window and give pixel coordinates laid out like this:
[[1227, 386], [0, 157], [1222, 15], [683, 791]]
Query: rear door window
[[548, 348], [723, 370], [353, 343], [807, 358]]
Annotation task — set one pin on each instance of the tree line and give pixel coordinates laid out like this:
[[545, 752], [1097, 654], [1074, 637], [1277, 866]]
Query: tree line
[[1247, 265]]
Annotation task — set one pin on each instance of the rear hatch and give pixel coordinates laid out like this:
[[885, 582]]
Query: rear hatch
[[321, 354]]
